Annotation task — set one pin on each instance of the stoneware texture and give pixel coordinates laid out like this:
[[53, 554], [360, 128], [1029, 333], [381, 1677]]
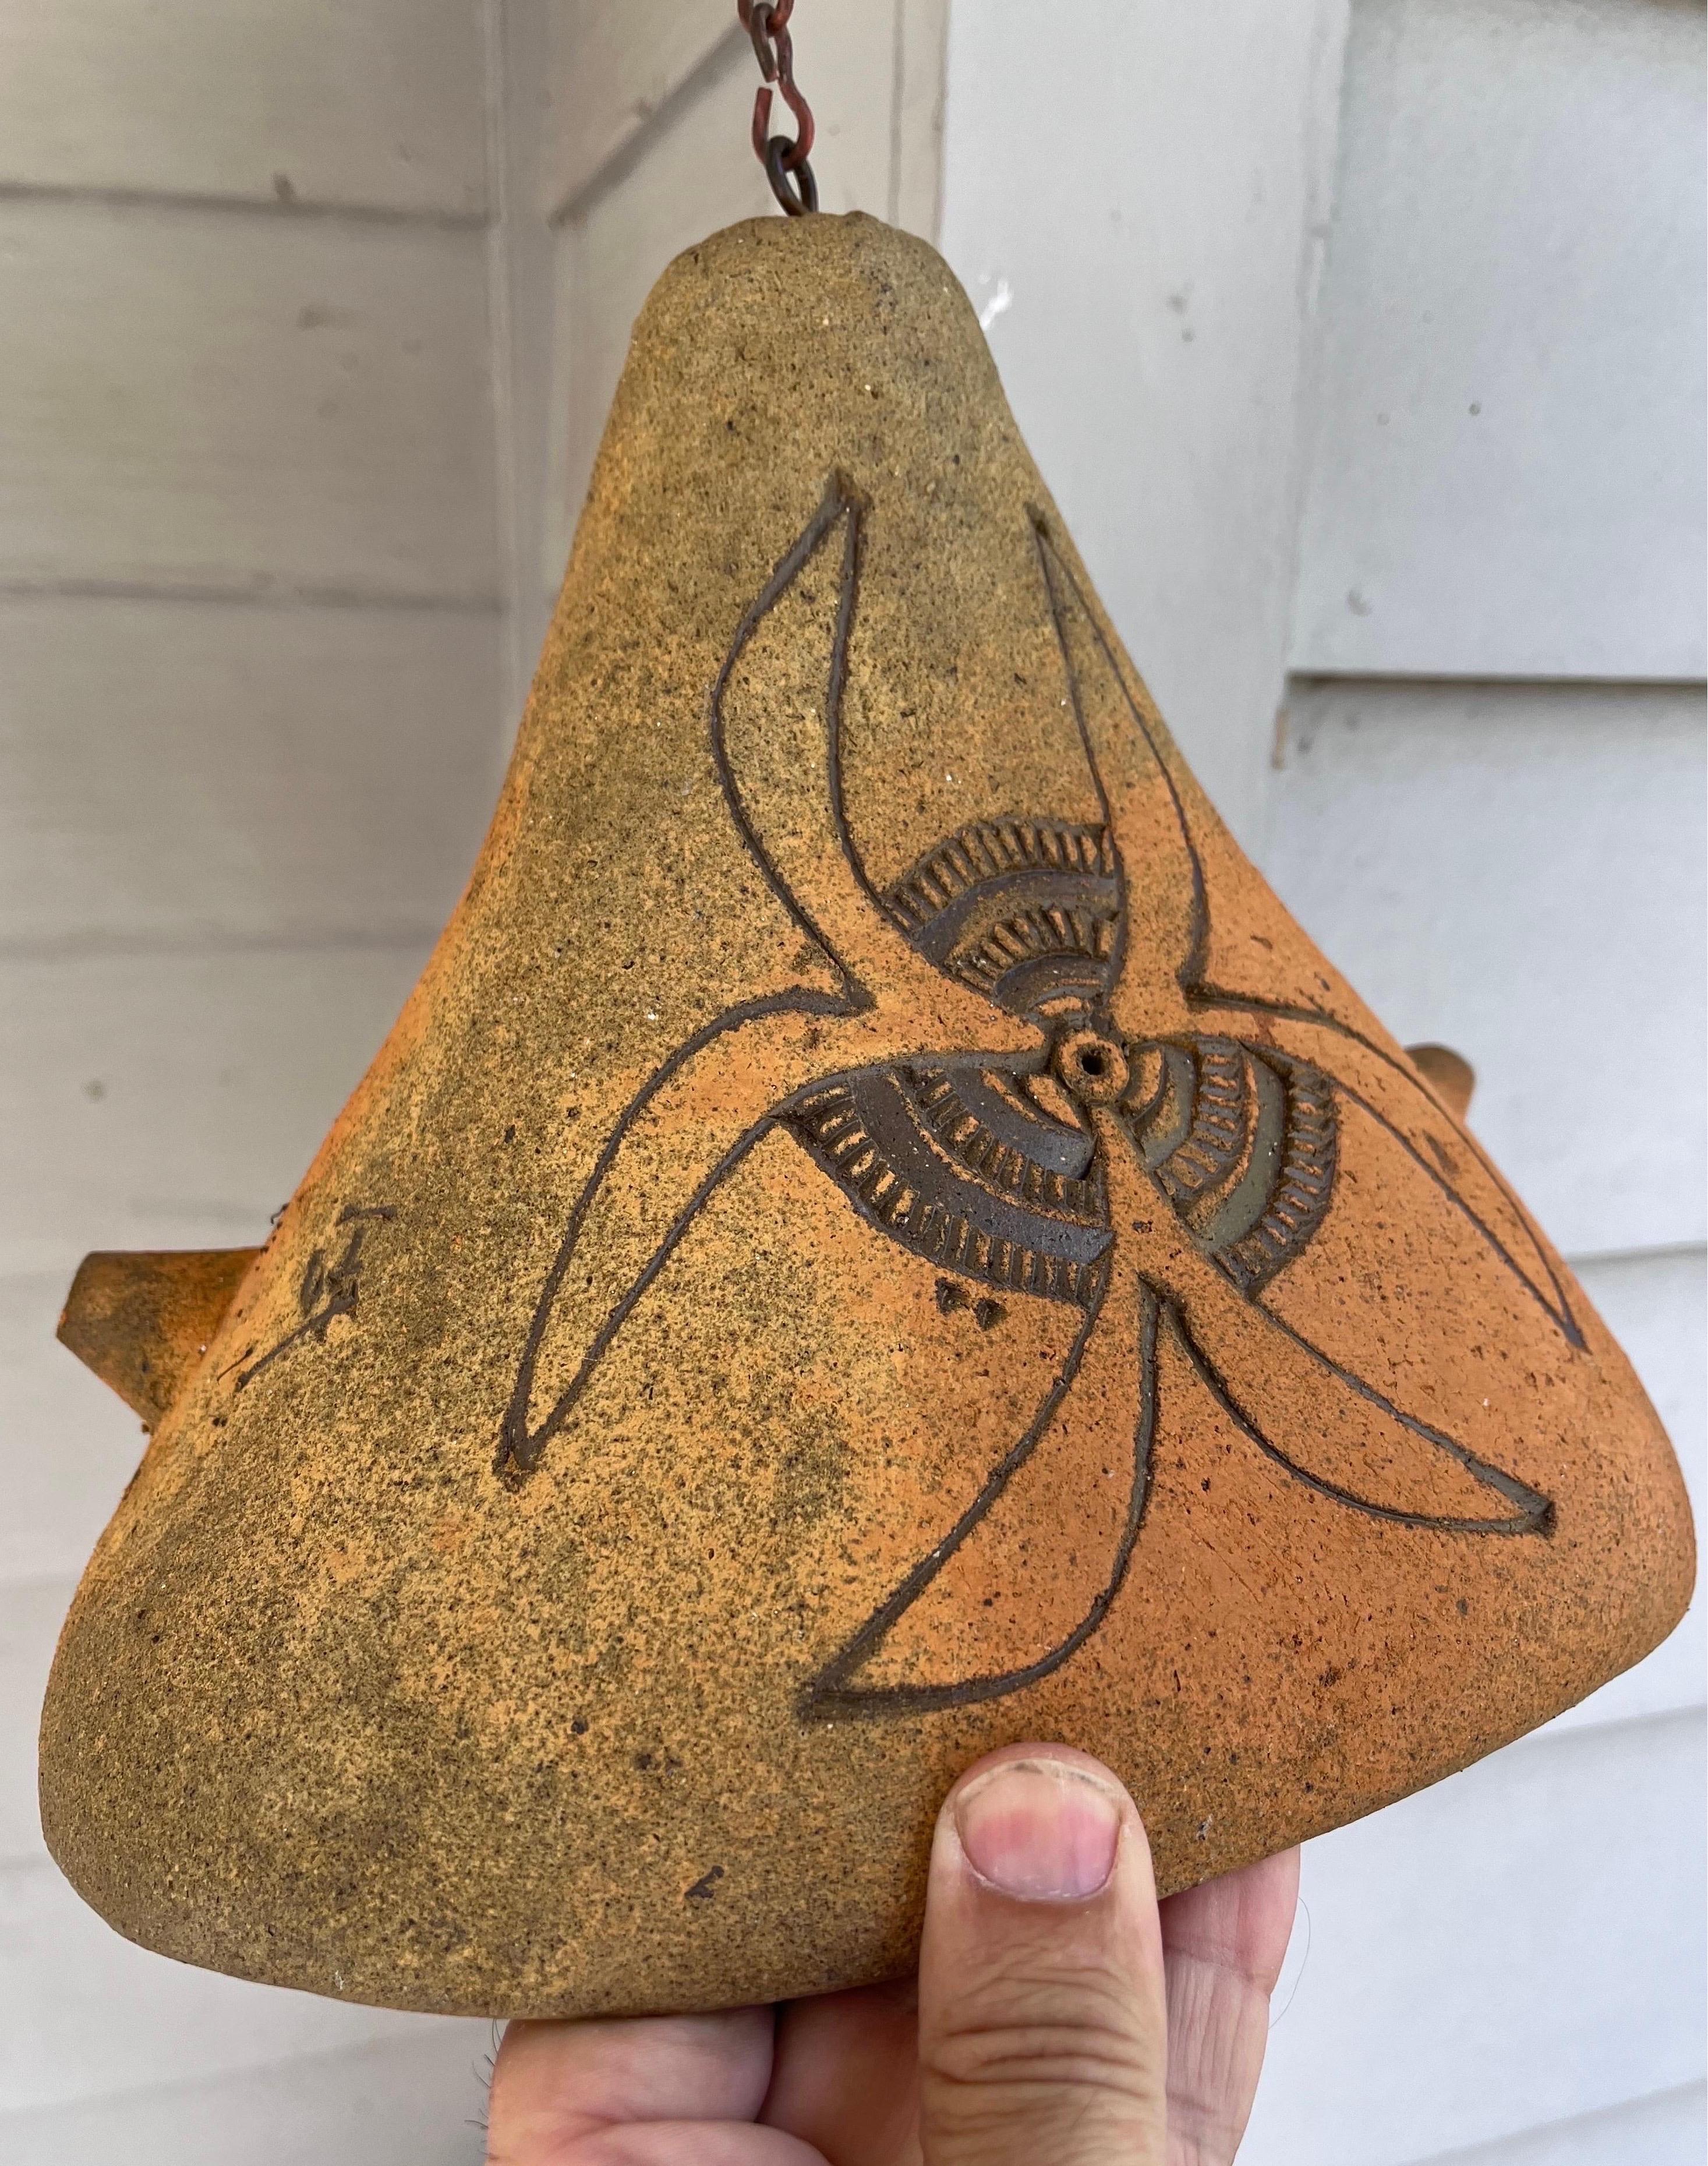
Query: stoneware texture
[[143, 1318], [874, 1237]]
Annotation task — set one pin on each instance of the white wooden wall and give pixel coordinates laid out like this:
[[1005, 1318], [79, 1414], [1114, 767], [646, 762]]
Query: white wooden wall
[[1359, 340], [644, 149], [1491, 811], [1408, 536], [250, 727], [308, 315]]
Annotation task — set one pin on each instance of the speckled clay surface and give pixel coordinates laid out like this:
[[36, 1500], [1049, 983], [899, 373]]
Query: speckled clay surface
[[875, 1236], [142, 1318]]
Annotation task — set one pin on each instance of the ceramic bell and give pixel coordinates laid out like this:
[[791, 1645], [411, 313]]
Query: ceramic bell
[[874, 1237]]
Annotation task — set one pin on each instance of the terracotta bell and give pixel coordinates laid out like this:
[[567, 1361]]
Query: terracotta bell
[[875, 1236]]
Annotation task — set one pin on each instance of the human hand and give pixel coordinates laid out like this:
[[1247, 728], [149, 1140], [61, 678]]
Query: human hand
[[1061, 2015]]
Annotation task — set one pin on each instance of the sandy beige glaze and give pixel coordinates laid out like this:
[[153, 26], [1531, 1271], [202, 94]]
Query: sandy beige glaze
[[615, 1506]]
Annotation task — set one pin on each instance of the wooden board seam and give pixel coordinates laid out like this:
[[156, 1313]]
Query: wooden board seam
[[244, 2072], [263, 591], [245, 206], [625, 155], [1491, 2147]]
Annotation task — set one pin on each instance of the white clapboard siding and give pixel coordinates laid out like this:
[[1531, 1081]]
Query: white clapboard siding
[[1657, 1307], [692, 177], [415, 2100], [298, 403], [522, 309], [62, 1969], [31, 1613], [158, 1101], [610, 70], [176, 1103], [874, 77], [1506, 478], [175, 772], [68, 1446], [250, 724], [620, 81], [1482, 1958], [1668, 2130], [204, 400], [1517, 871], [1134, 212], [276, 101], [871, 75]]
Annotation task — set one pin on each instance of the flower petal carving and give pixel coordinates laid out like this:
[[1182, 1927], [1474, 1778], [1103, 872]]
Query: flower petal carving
[[1022, 1074]]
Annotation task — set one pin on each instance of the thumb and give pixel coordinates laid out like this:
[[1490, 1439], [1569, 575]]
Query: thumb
[[1043, 2024]]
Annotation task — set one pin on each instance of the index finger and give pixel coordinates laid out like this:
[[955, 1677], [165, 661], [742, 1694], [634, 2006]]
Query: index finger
[[1224, 1943], [555, 2085]]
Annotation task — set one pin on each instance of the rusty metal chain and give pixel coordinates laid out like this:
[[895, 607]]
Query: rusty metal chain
[[785, 162]]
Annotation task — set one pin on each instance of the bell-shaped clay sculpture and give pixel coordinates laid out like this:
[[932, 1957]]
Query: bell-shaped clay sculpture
[[874, 1237]]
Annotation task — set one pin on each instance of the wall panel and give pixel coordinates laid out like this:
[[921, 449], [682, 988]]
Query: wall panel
[[224, 832], [195, 403], [1133, 206], [177, 1105], [1657, 1307], [174, 772], [419, 2098], [1506, 474], [62, 1970], [67, 1444], [1519, 1946], [609, 71], [31, 1613], [1670, 2129], [250, 604], [275, 101], [1518, 871]]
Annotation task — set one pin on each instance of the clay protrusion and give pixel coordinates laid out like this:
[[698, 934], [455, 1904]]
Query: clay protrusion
[[1448, 1074], [142, 1318]]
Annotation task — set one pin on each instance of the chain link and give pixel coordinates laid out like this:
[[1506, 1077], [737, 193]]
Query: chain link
[[785, 162]]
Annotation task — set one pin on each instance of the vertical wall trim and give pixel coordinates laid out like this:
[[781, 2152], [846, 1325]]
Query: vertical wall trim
[[898, 78], [921, 67], [501, 356], [1322, 121]]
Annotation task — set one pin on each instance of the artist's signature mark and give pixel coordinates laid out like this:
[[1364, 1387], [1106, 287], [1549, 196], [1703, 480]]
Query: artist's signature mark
[[330, 1285]]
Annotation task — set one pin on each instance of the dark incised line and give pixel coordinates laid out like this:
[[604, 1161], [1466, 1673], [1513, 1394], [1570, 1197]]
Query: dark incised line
[[1117, 953], [340, 1281], [1286, 1011], [519, 1449], [953, 1196], [1242, 1205], [620, 1313], [1561, 1315], [313, 1326], [830, 1695], [831, 1680], [839, 501], [1535, 1515], [1191, 968], [1198, 989], [845, 600]]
